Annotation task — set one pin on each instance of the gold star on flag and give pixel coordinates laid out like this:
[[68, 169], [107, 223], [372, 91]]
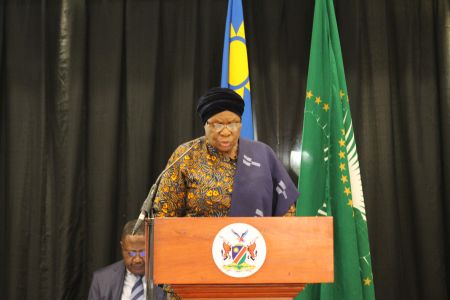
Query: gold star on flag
[[367, 281], [309, 94], [342, 166], [350, 202], [347, 191], [344, 179], [341, 93], [341, 142], [326, 107], [341, 154], [318, 100]]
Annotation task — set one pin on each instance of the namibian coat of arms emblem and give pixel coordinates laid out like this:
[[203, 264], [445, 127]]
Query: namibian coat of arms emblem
[[239, 250]]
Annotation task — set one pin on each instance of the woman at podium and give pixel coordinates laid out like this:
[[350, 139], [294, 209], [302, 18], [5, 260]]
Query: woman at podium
[[222, 174]]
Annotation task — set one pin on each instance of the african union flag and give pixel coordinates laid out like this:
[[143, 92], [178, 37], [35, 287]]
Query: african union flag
[[235, 73], [330, 180]]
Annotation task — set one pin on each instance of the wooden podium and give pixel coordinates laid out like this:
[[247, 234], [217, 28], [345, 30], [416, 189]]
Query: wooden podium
[[299, 250]]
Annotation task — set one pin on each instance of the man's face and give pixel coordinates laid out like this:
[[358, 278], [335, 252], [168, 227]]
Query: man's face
[[132, 248]]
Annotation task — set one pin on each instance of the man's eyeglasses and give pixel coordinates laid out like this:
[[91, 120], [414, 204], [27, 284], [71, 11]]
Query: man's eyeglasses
[[218, 127], [134, 253]]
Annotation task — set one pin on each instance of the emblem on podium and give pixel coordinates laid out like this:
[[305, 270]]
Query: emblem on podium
[[239, 250]]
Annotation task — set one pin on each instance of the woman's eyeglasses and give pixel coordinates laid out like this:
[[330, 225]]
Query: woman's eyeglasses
[[218, 127]]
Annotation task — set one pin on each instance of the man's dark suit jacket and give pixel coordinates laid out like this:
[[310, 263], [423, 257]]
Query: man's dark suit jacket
[[107, 283]]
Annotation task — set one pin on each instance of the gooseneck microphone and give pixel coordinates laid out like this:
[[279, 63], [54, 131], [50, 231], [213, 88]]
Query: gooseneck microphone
[[147, 209], [147, 206]]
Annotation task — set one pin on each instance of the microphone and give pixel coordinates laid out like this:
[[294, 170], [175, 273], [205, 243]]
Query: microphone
[[147, 206]]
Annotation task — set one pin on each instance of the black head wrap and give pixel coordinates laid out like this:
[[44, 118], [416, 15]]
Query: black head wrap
[[217, 100]]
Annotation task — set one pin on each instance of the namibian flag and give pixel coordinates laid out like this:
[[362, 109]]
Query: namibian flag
[[238, 254], [235, 74]]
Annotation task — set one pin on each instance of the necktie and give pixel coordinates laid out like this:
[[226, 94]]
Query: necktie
[[137, 293]]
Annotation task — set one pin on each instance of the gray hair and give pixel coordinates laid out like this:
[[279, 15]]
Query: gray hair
[[129, 226]]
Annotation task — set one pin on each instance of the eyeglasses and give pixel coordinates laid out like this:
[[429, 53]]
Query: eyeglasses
[[218, 127], [134, 253]]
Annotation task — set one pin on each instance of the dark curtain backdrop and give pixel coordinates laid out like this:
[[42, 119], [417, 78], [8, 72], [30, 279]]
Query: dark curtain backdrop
[[95, 95]]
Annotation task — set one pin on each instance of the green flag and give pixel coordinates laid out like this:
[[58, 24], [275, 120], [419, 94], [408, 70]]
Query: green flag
[[329, 181]]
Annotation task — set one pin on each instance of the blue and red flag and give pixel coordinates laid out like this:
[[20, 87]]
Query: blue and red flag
[[238, 254], [235, 72]]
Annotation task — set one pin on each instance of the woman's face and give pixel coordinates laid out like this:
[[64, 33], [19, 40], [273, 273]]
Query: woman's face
[[224, 138]]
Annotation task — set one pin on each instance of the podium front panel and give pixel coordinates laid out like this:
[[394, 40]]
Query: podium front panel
[[299, 250]]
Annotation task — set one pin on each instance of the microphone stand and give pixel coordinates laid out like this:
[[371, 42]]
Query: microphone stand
[[151, 295], [147, 209]]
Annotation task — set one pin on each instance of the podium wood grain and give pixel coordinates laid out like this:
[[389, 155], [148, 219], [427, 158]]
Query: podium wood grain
[[299, 251]]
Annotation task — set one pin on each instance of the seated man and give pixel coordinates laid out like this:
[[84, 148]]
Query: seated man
[[124, 279]]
